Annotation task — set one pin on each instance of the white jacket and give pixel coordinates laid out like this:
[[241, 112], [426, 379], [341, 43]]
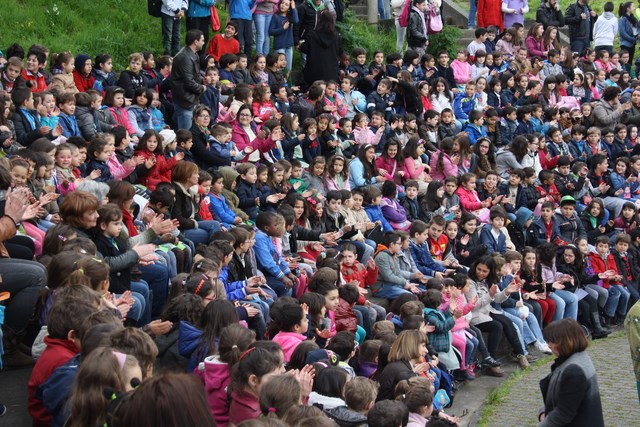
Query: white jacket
[[169, 7], [605, 29]]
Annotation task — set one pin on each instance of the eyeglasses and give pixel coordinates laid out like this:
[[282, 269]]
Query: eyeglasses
[[244, 115], [396, 243]]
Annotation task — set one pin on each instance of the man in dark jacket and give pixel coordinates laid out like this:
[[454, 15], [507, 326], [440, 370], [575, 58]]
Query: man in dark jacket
[[580, 19], [186, 83], [549, 14]]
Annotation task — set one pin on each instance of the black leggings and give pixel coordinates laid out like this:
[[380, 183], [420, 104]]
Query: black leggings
[[587, 306], [497, 328], [482, 348]]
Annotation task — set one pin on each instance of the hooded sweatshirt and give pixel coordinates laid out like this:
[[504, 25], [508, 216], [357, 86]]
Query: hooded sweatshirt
[[605, 29], [216, 376], [229, 177], [83, 81]]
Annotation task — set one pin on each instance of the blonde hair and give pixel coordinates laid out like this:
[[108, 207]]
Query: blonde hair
[[407, 346]]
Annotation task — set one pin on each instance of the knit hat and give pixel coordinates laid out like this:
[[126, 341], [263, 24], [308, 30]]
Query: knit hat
[[81, 59], [168, 136]]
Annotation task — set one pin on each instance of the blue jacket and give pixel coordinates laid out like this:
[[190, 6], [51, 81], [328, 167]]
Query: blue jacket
[[56, 391], [157, 119], [475, 132], [282, 38], [374, 212], [541, 231], [69, 125], [508, 131], [235, 290], [241, 9], [220, 210], [626, 32], [105, 172], [356, 175], [188, 342], [462, 106], [423, 259], [269, 260], [211, 98], [222, 152], [493, 244], [247, 194], [200, 8]]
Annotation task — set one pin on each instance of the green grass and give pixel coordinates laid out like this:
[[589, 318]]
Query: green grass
[[497, 396]]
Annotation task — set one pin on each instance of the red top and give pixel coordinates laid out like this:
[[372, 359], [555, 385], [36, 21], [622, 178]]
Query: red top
[[219, 46]]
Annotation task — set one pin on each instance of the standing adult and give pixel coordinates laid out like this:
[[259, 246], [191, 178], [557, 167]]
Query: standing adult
[[580, 19], [199, 17], [262, 19], [417, 29], [397, 6], [308, 15], [186, 82], [550, 14], [632, 327], [323, 48], [605, 29], [570, 392], [514, 11], [172, 13], [240, 11], [626, 28]]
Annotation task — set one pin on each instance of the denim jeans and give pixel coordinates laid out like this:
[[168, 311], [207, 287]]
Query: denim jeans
[[566, 304], [183, 117], [170, 35], [157, 277], [278, 287], [520, 329], [24, 280], [473, 9], [578, 45], [381, 10], [288, 53], [532, 332], [203, 233], [617, 302], [245, 36], [140, 291], [391, 291], [599, 293], [401, 35], [262, 22]]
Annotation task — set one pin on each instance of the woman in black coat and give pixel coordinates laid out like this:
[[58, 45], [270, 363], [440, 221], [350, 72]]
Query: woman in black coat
[[323, 48], [570, 392]]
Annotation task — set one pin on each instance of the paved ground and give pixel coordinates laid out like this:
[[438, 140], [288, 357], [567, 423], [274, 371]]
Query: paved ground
[[520, 407]]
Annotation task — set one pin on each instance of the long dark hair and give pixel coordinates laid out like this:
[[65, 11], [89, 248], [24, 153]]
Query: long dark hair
[[370, 169], [487, 260], [326, 24], [431, 201], [446, 147], [519, 147]]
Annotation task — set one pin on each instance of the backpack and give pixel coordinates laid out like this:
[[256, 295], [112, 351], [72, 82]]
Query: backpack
[[435, 20], [153, 7], [403, 19]]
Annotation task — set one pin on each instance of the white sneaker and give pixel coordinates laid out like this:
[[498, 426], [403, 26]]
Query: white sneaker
[[542, 347]]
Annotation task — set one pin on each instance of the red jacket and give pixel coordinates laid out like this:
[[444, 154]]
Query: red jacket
[[345, 318], [364, 276], [469, 200], [57, 353], [37, 81], [601, 265], [490, 13], [160, 172], [83, 83]]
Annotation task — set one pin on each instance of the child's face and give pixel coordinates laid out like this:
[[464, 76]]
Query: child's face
[[278, 176], [213, 77], [595, 210], [376, 121], [622, 134], [602, 248], [433, 121], [530, 260], [345, 85], [628, 213], [230, 31], [470, 90], [347, 128], [357, 202], [446, 118], [242, 62], [323, 124], [411, 192], [470, 226], [19, 175], [450, 188], [318, 169], [296, 172], [443, 59], [546, 213], [622, 247], [32, 63], [497, 222], [420, 238], [103, 155], [118, 100], [68, 108], [251, 176], [135, 66], [152, 143], [262, 176], [338, 166], [49, 103], [567, 210], [112, 229], [382, 89], [331, 300], [471, 184], [435, 231], [95, 105], [621, 168], [514, 180], [347, 203], [379, 58], [491, 181], [12, 72], [64, 158], [298, 208], [348, 258], [361, 59], [452, 230], [376, 201]]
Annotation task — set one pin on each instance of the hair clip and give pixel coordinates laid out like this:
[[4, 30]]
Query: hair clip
[[199, 265], [199, 287], [420, 142], [274, 169], [62, 238], [323, 255], [81, 270], [272, 410], [121, 357], [184, 281], [246, 352], [234, 346], [82, 251]]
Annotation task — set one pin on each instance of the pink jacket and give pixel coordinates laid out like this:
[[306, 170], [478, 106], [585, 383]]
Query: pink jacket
[[288, 341], [461, 71], [336, 183], [469, 200], [449, 169], [341, 109], [535, 47], [216, 377], [118, 170], [366, 136], [413, 171], [392, 167], [467, 307], [122, 118]]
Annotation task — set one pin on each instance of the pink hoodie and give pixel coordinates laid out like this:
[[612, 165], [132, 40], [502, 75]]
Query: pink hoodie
[[216, 377], [288, 341], [467, 307]]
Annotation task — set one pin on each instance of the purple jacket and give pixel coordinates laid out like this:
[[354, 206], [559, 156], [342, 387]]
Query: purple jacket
[[510, 18], [394, 213]]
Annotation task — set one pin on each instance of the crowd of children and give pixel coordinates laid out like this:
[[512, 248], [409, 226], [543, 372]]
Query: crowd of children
[[376, 238]]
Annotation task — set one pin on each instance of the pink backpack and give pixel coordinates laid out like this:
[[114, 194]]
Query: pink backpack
[[403, 19]]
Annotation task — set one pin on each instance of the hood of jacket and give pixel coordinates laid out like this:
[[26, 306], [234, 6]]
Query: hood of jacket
[[215, 373], [608, 15], [523, 215], [229, 175], [80, 60], [345, 417], [189, 337]]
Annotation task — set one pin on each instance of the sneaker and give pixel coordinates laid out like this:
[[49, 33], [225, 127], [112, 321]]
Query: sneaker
[[522, 360], [542, 347], [495, 371], [3, 409], [490, 361]]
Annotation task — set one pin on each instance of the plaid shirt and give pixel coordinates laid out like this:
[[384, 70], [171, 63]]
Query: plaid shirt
[[440, 339]]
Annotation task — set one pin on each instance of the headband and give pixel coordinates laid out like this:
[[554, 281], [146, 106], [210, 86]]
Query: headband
[[121, 357], [242, 356]]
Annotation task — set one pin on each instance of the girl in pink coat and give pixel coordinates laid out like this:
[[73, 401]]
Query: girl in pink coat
[[469, 199]]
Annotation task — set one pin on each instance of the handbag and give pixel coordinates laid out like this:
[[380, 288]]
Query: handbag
[[435, 20], [374, 234], [215, 19]]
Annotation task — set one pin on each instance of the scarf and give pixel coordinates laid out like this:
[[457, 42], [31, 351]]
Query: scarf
[[421, 15], [317, 8], [127, 219]]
